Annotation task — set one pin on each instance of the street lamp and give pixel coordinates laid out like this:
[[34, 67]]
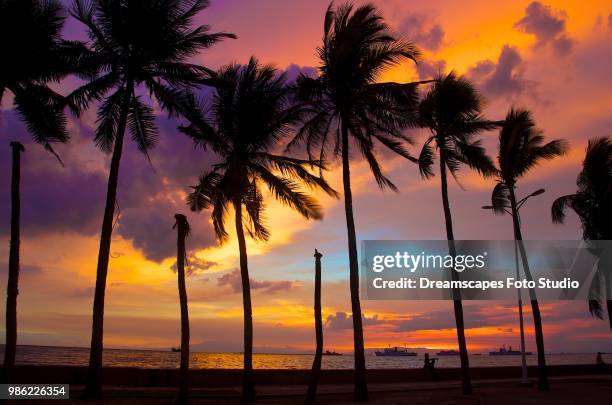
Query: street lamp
[[524, 379]]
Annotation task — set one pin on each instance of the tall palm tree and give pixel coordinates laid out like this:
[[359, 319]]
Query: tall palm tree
[[132, 44], [33, 57], [348, 107], [592, 202], [521, 148], [250, 115], [12, 286], [311, 395], [451, 110], [182, 231]]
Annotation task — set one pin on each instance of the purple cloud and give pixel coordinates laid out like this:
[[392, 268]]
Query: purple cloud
[[234, 281], [195, 265], [419, 29], [505, 78], [548, 26], [342, 321], [429, 69]]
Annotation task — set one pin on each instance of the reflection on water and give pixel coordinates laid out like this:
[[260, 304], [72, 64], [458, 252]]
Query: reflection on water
[[167, 359]]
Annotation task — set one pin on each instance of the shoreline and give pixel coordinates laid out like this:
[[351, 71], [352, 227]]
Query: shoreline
[[158, 377]]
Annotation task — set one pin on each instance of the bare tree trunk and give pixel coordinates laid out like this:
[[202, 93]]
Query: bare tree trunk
[[316, 364], [93, 388], [361, 388], [466, 380], [535, 307], [248, 385], [12, 286], [182, 231]]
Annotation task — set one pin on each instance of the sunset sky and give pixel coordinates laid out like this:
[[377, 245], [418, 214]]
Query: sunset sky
[[553, 57]]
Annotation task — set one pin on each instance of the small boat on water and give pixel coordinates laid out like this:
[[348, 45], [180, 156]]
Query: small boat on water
[[395, 351], [332, 353], [447, 353], [176, 349], [507, 352]]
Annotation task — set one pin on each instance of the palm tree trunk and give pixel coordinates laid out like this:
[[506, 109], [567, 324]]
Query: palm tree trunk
[[466, 380], [180, 265], [316, 364], [535, 307], [12, 287], [93, 388], [608, 284], [361, 388], [248, 385]]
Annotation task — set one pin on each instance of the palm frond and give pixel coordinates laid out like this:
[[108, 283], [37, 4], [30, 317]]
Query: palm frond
[[426, 160], [108, 120], [500, 198], [141, 122]]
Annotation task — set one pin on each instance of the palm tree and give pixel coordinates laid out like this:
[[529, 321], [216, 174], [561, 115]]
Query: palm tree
[[451, 110], [183, 230], [316, 364], [592, 202], [348, 107], [132, 44], [522, 147], [251, 114], [33, 57], [12, 289]]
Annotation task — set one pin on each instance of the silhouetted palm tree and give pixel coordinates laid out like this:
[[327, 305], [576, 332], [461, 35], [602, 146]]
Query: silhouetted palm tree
[[33, 54], [522, 147], [182, 231], [452, 111], [592, 202], [311, 395], [348, 106], [12, 285], [250, 115], [33, 57], [134, 43]]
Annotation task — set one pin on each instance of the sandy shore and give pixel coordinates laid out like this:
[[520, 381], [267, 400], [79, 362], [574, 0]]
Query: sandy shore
[[564, 390]]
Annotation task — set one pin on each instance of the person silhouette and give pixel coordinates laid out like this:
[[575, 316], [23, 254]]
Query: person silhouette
[[429, 366]]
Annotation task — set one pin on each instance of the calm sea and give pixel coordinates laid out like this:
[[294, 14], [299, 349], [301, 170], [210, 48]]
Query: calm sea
[[38, 355]]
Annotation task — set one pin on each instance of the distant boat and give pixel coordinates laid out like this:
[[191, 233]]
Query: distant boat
[[332, 353], [176, 349], [507, 352], [395, 351], [448, 353]]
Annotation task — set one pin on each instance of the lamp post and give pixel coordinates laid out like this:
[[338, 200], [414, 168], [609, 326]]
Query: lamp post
[[524, 378]]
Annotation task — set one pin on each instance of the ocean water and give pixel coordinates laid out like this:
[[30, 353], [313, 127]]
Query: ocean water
[[49, 355]]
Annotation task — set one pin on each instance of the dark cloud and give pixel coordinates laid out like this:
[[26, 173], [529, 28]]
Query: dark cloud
[[548, 26], [71, 198], [419, 29], [504, 78], [195, 265], [342, 321], [53, 198], [233, 280]]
